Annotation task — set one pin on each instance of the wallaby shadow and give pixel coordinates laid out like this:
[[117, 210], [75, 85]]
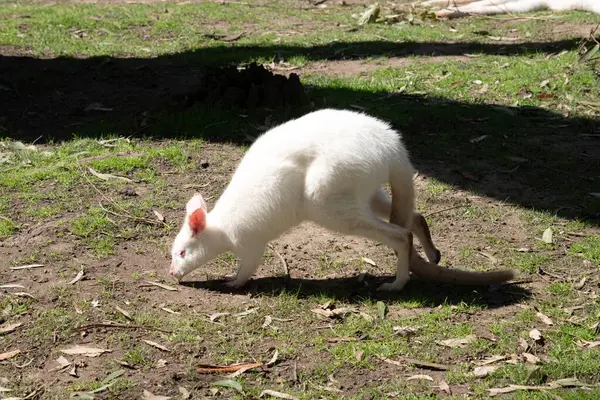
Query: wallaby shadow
[[531, 157], [351, 290]]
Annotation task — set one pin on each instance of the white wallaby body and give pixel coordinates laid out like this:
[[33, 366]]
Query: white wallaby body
[[327, 167], [490, 7]]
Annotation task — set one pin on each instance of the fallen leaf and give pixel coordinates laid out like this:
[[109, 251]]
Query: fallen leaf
[[234, 37], [589, 54], [369, 261], [273, 359], [545, 96], [445, 388], [73, 371], [4, 329], [381, 310], [246, 313], [218, 315], [170, 311], [112, 376], [23, 294], [477, 82], [159, 216], [157, 345], [523, 344], [547, 236], [268, 320], [524, 250], [329, 304], [457, 343], [419, 377], [490, 257], [11, 286], [561, 383], [366, 316], [491, 360], [280, 395], [9, 354], [584, 344], [77, 278], [30, 266], [419, 363], [216, 369], [480, 372], [185, 394], [359, 355], [161, 363], [150, 396], [370, 15], [405, 331], [535, 335], [337, 312], [62, 364], [229, 383], [95, 303], [530, 358], [163, 286], [125, 313], [478, 139], [579, 285], [86, 351], [107, 177], [454, 84], [544, 318], [544, 83]]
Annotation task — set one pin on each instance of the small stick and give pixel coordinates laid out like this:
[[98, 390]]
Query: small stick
[[283, 262], [117, 325]]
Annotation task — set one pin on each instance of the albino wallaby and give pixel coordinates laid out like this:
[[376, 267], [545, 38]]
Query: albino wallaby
[[488, 7], [327, 167]]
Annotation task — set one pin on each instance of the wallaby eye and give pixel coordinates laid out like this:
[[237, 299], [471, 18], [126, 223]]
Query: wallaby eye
[[182, 253]]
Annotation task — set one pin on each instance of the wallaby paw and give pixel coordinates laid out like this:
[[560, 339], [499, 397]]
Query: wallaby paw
[[391, 287], [234, 283], [437, 258]]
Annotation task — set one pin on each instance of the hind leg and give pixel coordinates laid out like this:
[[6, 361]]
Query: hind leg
[[358, 220], [381, 206]]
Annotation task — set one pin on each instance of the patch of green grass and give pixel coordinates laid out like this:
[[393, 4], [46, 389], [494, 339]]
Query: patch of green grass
[[44, 211], [15, 305], [436, 188], [93, 221], [562, 289], [7, 227], [119, 164], [529, 262], [103, 247], [137, 357], [589, 248]]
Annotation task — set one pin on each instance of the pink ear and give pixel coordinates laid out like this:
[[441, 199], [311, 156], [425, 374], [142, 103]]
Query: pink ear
[[196, 202], [197, 220]]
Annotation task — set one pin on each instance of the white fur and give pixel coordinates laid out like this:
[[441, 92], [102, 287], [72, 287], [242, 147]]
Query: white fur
[[327, 167], [489, 7]]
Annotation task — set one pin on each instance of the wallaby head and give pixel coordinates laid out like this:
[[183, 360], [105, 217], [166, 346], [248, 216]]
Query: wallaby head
[[198, 240]]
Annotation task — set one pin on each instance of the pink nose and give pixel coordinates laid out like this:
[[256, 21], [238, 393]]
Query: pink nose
[[171, 270]]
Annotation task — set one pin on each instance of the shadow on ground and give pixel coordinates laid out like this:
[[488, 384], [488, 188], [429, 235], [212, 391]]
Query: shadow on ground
[[531, 157], [349, 289]]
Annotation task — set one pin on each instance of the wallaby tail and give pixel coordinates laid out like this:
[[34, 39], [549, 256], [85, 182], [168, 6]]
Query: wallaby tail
[[427, 270]]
